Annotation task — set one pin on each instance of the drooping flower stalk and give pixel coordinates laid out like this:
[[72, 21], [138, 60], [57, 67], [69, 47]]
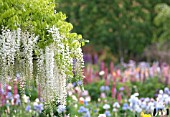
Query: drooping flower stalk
[[53, 65]]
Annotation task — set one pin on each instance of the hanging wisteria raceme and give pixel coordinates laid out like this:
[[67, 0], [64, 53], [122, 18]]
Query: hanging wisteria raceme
[[16, 49], [53, 65], [79, 62], [60, 69]]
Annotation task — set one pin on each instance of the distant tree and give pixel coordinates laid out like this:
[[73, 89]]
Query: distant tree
[[126, 26], [162, 21], [160, 49]]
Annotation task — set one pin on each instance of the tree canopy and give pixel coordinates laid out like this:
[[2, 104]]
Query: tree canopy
[[126, 26], [36, 16], [162, 21]]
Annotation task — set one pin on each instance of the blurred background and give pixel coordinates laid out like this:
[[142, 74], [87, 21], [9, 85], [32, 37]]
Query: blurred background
[[122, 29]]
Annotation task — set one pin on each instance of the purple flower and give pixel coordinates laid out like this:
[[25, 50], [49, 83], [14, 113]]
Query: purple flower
[[9, 96], [38, 107], [85, 58], [2, 91], [142, 99], [85, 111], [166, 90], [121, 88], [89, 58], [95, 59], [82, 109], [79, 82], [18, 101], [87, 114], [107, 113], [102, 88], [107, 88], [125, 106], [61, 108], [74, 84], [28, 108], [85, 102]]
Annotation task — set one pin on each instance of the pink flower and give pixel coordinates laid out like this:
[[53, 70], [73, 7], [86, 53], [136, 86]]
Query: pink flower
[[113, 91], [119, 97], [111, 67], [103, 95], [15, 88]]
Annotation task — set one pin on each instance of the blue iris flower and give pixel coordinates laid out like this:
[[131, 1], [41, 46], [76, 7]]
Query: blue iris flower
[[85, 111], [28, 108], [79, 82], [38, 108], [87, 114], [82, 110], [107, 88], [107, 113], [74, 84], [9, 95], [95, 111], [125, 106], [85, 102], [61, 108], [104, 88]]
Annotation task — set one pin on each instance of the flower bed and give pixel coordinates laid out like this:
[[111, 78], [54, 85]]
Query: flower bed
[[81, 103], [17, 100], [106, 94]]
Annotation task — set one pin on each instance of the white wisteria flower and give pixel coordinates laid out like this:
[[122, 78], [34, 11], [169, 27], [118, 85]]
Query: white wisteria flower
[[53, 64]]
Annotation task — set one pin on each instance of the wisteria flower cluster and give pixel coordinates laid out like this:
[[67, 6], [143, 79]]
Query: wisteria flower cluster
[[53, 64]]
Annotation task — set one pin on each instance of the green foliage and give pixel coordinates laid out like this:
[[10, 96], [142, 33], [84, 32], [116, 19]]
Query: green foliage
[[9, 109], [51, 109], [36, 16], [20, 112], [162, 21], [94, 89], [142, 88], [126, 26], [149, 87]]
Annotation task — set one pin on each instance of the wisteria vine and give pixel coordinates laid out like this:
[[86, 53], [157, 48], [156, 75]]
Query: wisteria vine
[[50, 67]]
